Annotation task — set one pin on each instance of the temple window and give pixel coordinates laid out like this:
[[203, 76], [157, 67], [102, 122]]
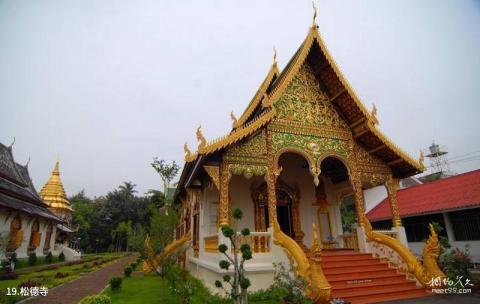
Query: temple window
[[16, 233], [35, 236], [48, 237]]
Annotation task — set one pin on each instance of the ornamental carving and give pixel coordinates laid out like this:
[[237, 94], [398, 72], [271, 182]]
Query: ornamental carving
[[304, 101], [252, 147], [312, 145], [214, 173], [366, 159], [248, 171]]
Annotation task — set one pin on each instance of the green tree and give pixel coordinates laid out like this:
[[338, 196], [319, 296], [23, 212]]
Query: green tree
[[240, 283], [166, 171]]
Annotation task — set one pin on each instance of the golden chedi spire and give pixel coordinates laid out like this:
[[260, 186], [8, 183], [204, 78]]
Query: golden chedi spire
[[53, 194]]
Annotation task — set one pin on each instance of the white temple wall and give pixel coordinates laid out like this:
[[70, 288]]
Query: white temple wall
[[240, 197]]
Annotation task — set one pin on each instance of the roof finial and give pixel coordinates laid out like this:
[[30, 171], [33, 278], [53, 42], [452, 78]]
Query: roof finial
[[11, 145], [373, 115], [28, 161], [274, 56], [56, 169], [314, 19], [188, 153], [202, 142], [421, 158], [234, 119]]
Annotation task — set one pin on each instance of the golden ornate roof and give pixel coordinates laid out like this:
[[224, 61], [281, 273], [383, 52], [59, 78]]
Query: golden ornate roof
[[363, 122], [53, 193]]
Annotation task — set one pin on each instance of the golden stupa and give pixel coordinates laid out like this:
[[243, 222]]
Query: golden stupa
[[53, 194]]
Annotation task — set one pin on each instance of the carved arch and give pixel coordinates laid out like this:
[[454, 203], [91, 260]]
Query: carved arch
[[314, 171]]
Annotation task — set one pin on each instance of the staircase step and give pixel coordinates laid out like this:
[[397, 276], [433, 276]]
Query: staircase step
[[393, 279], [371, 290], [391, 296], [351, 263], [346, 257], [361, 275], [355, 269]]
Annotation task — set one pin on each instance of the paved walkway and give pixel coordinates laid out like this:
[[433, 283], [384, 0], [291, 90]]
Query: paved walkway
[[94, 282]]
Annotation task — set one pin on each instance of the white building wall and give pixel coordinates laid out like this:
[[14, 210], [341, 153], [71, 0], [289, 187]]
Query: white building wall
[[374, 196]]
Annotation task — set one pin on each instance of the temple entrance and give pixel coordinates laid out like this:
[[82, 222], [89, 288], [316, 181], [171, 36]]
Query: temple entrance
[[284, 213], [285, 202]]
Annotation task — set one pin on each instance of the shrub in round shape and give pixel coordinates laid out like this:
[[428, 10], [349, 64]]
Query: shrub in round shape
[[49, 258], [32, 259], [96, 299], [115, 283], [127, 271], [61, 257]]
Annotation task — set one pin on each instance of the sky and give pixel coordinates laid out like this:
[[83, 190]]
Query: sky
[[105, 86]]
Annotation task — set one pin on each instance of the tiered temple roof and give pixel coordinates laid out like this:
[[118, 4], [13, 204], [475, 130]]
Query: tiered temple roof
[[261, 110], [53, 192], [16, 188]]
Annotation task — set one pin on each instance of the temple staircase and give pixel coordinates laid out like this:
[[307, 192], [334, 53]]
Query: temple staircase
[[362, 278]]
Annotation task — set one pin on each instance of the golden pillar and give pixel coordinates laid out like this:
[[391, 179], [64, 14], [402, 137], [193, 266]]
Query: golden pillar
[[358, 194], [223, 208], [272, 195], [392, 187]]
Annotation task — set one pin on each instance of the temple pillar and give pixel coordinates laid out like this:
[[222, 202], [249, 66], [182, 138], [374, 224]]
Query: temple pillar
[[358, 195], [271, 178], [363, 245], [392, 185], [224, 205]]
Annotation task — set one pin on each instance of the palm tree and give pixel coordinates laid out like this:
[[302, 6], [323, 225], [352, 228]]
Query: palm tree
[[128, 189]]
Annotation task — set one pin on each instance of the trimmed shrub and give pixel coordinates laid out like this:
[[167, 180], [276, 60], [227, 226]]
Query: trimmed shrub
[[29, 284], [133, 265], [61, 257], [96, 299], [8, 276], [127, 271], [49, 258], [32, 259], [115, 283], [61, 275]]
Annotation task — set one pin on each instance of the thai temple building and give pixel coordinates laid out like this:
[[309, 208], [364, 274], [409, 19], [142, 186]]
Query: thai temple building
[[25, 219], [305, 147]]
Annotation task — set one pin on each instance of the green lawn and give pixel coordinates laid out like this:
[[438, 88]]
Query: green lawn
[[47, 277], [152, 289], [149, 289]]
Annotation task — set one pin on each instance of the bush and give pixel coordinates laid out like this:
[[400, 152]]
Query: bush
[[457, 263], [61, 257], [49, 258], [285, 288], [133, 265], [12, 275], [127, 271], [115, 283], [32, 259], [87, 265], [96, 299], [29, 284], [61, 275]]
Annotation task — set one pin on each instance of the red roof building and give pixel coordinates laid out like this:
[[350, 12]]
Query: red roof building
[[457, 192]]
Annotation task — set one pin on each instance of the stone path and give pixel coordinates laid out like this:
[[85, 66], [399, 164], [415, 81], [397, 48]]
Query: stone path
[[94, 282]]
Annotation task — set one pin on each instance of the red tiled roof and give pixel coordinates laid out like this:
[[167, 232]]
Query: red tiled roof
[[459, 191]]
